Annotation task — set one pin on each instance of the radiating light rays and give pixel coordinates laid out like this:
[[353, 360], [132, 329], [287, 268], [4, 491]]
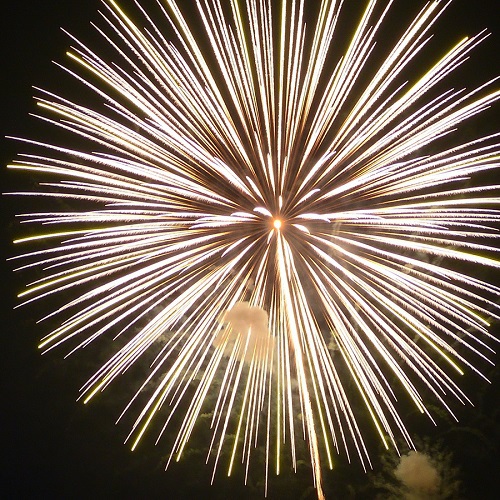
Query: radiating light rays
[[279, 225]]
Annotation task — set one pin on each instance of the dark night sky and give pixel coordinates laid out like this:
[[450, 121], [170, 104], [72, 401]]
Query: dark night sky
[[51, 445]]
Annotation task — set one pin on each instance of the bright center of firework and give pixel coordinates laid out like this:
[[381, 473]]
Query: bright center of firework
[[277, 223]]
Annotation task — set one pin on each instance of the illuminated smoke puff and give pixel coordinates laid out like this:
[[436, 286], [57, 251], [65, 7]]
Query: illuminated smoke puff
[[247, 327], [419, 475]]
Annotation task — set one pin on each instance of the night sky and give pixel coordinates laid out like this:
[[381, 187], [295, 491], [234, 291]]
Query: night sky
[[55, 447]]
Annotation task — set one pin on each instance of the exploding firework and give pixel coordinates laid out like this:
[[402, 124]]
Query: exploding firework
[[271, 220]]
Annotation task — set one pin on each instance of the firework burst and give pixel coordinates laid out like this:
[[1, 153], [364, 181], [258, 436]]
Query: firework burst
[[281, 222]]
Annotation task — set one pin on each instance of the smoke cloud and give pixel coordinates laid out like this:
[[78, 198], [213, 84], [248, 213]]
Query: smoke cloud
[[248, 326], [420, 477]]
